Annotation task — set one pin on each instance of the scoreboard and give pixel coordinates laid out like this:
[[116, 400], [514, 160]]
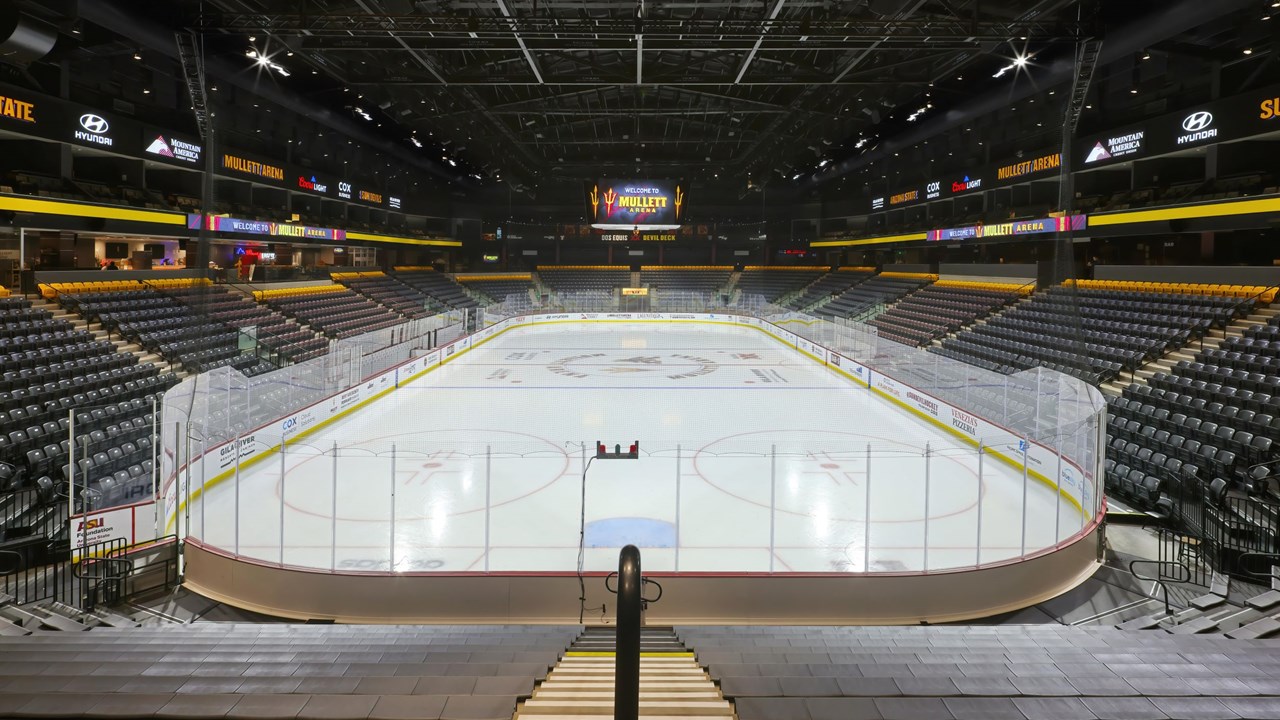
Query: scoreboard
[[636, 204]]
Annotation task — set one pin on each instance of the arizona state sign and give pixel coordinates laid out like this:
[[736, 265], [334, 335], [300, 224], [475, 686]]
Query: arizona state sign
[[15, 109]]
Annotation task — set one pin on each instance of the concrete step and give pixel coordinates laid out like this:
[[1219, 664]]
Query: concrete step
[[689, 708]]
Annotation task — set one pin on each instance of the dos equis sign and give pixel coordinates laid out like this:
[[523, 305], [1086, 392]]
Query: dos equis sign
[[636, 202]]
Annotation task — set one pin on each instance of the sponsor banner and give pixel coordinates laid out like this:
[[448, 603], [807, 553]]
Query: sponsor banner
[[166, 147], [108, 525], [1225, 120], [975, 180], [409, 369]]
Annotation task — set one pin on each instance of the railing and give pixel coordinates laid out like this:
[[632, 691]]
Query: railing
[[1160, 578], [60, 581], [626, 669]]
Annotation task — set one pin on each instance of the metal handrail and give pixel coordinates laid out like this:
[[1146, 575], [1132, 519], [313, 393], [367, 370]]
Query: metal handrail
[[1161, 579], [626, 672], [1274, 557]]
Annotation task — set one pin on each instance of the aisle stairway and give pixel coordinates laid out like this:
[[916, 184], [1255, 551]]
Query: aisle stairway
[[672, 684]]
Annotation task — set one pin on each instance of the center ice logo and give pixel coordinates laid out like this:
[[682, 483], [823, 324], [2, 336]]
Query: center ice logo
[[673, 366]]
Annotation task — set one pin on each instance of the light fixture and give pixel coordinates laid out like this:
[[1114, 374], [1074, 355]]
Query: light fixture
[[137, 55], [1248, 51], [146, 91], [1146, 54], [253, 38], [1133, 91]]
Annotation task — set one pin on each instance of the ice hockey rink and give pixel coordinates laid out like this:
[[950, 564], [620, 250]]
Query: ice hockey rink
[[754, 458]]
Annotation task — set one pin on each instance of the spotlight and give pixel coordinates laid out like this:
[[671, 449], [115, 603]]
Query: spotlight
[[137, 56]]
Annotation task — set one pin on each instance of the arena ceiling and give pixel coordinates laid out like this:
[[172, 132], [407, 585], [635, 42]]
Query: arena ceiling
[[530, 92], [581, 88]]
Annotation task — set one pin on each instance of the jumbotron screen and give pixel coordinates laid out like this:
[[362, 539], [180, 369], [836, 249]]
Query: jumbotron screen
[[632, 204]]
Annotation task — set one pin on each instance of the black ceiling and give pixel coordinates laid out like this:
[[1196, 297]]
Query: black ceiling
[[582, 88], [537, 91]]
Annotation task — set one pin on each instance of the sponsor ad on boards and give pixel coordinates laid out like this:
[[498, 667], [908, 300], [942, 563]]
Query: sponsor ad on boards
[[116, 524]]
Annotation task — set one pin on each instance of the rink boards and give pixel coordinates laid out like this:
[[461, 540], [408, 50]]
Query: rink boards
[[210, 466]]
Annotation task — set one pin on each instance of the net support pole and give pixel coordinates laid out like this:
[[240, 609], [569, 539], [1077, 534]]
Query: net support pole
[[204, 453], [488, 481], [677, 549], [237, 512], [71, 474], [282, 492], [333, 513], [392, 548], [866, 511], [1057, 503], [1025, 481], [155, 469], [186, 511], [977, 546], [927, 459], [773, 502]]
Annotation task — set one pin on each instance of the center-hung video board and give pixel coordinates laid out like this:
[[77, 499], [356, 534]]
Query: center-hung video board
[[642, 204]]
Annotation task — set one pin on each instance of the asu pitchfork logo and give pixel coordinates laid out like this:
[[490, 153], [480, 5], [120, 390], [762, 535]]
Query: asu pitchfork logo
[[610, 197]]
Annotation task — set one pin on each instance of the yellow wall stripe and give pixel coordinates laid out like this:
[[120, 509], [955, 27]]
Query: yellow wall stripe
[[65, 208], [1244, 207], [370, 237], [871, 241]]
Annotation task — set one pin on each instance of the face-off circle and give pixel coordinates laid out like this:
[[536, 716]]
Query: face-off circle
[[434, 469], [838, 474]]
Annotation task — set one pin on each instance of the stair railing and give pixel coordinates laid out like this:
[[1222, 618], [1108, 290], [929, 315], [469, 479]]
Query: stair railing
[[626, 670], [631, 606]]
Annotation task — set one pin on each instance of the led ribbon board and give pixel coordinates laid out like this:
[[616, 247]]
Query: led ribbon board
[[218, 223], [1017, 227]]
